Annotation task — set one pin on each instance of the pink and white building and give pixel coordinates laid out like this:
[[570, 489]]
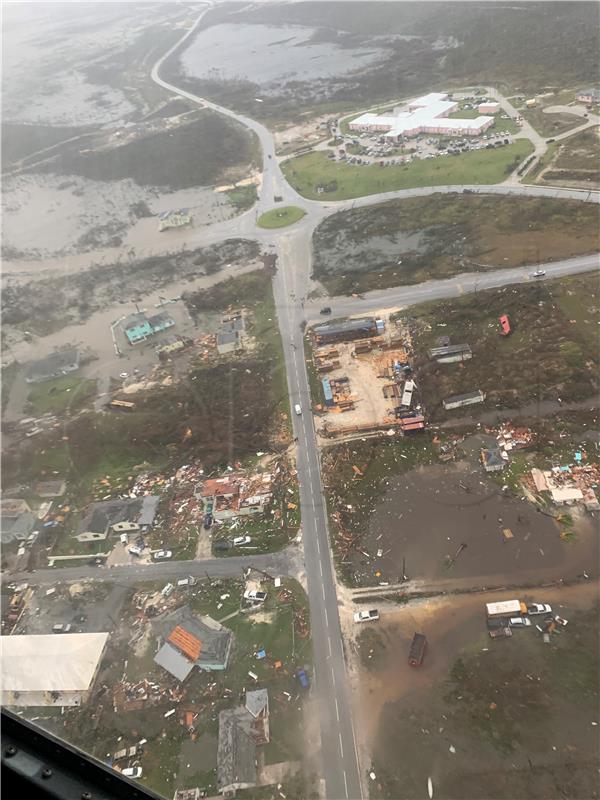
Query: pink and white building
[[427, 114]]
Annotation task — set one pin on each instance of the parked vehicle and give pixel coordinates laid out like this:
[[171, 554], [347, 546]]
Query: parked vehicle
[[561, 620], [162, 555], [126, 752], [417, 650], [135, 550], [505, 608], [62, 627], [221, 546], [325, 310], [240, 541], [303, 679], [539, 608], [255, 596], [189, 581], [500, 633], [366, 616], [519, 622], [208, 521], [167, 590], [132, 772]]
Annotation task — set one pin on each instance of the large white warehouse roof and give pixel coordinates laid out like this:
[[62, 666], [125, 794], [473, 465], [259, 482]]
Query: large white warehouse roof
[[57, 662]]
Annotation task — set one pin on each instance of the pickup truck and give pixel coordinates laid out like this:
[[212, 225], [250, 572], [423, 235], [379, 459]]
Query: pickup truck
[[366, 616], [62, 627]]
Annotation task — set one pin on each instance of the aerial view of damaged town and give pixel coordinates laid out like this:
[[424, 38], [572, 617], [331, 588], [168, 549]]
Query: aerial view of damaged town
[[300, 400]]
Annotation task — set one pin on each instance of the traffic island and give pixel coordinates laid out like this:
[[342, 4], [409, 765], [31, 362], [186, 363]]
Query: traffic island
[[280, 217]]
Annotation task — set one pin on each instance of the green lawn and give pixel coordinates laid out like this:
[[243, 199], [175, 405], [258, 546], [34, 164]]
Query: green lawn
[[243, 197], [342, 181], [280, 217], [60, 394]]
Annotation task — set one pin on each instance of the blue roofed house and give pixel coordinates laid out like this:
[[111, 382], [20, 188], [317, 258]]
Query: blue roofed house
[[138, 327]]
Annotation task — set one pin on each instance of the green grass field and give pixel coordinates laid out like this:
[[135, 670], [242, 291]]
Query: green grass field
[[60, 395], [280, 217], [342, 181]]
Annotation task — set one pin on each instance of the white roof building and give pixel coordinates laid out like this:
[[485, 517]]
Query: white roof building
[[427, 114], [49, 670]]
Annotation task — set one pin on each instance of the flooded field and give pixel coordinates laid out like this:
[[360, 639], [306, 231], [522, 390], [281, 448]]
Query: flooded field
[[271, 55], [443, 530], [527, 709], [47, 55], [432, 237], [47, 215]]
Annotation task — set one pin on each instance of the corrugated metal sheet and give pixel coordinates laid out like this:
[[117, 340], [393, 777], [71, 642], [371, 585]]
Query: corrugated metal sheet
[[184, 641]]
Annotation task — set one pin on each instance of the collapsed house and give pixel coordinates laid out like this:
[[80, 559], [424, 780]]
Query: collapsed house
[[241, 731], [236, 494], [569, 484]]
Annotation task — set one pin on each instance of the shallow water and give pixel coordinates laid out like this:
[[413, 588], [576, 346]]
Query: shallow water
[[267, 54]]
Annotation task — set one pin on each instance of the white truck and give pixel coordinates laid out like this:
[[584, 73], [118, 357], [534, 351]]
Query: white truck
[[505, 608]]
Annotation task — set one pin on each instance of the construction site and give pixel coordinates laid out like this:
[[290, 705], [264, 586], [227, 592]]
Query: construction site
[[364, 378]]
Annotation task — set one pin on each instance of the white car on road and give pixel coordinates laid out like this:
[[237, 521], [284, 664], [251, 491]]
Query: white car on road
[[298, 409], [539, 273]]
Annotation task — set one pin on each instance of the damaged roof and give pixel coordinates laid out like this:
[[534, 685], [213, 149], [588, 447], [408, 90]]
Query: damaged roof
[[236, 752]]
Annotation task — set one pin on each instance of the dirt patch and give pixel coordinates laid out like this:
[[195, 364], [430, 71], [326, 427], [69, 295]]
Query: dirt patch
[[575, 161], [407, 241]]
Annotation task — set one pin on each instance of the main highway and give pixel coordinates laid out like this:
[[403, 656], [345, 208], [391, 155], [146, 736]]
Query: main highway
[[291, 284]]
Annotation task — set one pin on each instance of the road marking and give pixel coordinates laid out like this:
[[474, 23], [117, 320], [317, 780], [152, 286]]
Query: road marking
[[337, 710], [326, 619], [329, 643], [345, 783], [341, 745], [333, 676], [321, 568]]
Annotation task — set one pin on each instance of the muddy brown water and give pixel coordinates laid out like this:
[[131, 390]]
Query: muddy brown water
[[402, 711], [426, 515]]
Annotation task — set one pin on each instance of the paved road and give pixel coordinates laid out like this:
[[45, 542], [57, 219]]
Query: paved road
[[468, 282], [275, 563]]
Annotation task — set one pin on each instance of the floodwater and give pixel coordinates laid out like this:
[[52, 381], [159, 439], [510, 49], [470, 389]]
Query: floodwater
[[426, 516], [48, 215], [342, 253], [395, 690], [48, 49], [269, 55]]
